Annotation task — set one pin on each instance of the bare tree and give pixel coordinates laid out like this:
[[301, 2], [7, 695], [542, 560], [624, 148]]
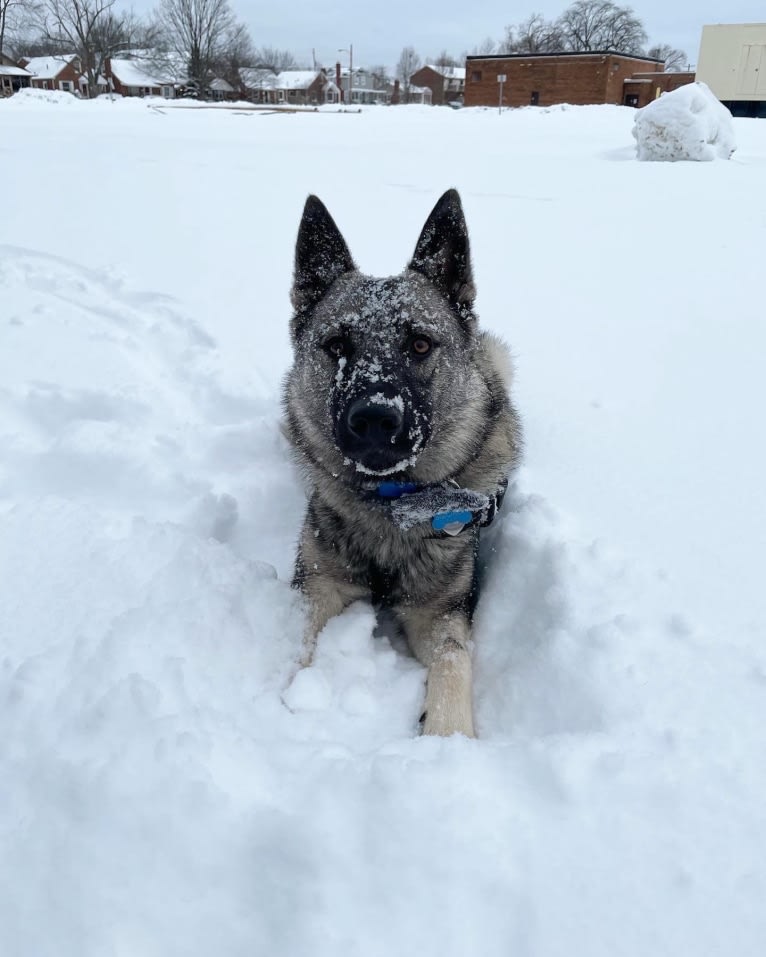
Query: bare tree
[[91, 29], [197, 32], [444, 59], [14, 16], [270, 58], [601, 25], [486, 48], [675, 60], [409, 63], [380, 77], [534, 35], [237, 51]]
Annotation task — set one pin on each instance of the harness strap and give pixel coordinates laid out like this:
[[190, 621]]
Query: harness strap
[[447, 507]]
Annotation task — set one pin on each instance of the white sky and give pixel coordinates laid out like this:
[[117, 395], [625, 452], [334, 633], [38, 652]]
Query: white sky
[[379, 31]]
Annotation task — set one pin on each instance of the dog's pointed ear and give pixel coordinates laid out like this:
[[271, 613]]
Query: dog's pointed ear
[[443, 254], [321, 255]]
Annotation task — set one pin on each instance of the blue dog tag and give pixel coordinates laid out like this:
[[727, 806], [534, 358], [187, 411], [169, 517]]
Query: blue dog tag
[[451, 522]]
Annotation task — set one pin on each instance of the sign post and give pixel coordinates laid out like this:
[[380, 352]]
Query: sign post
[[500, 79]]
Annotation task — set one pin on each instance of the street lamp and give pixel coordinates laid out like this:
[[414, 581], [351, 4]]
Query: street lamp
[[350, 52]]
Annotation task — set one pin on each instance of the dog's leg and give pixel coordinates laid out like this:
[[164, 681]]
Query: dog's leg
[[441, 642], [321, 580], [327, 598]]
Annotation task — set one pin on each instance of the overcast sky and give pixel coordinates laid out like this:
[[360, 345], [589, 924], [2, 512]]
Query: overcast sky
[[379, 31]]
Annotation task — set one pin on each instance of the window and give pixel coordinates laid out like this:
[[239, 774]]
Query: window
[[66, 86], [534, 98], [476, 76]]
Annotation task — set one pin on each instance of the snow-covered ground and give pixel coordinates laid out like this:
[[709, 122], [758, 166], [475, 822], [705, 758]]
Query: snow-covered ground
[[157, 798]]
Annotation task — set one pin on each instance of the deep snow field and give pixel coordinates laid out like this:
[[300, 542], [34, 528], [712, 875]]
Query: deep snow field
[[157, 797]]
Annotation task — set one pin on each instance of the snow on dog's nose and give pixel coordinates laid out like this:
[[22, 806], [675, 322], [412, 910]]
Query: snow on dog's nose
[[374, 423]]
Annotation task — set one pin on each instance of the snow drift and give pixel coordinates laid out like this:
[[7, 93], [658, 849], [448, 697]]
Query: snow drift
[[688, 124], [161, 794]]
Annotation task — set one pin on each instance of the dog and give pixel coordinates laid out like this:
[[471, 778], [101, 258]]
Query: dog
[[398, 410]]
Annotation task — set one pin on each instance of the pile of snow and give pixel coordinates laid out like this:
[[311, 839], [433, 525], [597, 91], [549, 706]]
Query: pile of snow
[[688, 124], [31, 97]]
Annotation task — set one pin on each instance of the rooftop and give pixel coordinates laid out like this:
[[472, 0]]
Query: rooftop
[[563, 53]]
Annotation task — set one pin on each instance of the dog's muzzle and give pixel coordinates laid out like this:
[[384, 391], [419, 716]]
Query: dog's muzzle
[[375, 431]]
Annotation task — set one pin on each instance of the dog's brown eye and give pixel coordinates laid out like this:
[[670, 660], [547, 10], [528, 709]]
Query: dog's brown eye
[[336, 347], [421, 346]]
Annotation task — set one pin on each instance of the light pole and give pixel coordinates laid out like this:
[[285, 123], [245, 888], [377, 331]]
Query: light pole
[[350, 52]]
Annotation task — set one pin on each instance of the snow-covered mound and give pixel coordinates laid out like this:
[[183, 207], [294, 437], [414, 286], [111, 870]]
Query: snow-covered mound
[[688, 124], [164, 790], [31, 97]]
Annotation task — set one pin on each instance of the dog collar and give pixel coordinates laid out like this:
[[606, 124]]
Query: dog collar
[[446, 506]]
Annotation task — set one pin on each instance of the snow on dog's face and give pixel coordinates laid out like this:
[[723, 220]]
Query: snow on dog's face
[[383, 382]]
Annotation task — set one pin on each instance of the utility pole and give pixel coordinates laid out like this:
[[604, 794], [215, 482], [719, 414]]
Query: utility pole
[[350, 52]]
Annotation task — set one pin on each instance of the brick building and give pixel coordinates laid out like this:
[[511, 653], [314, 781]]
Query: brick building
[[54, 72], [641, 88], [12, 77], [446, 83], [544, 79]]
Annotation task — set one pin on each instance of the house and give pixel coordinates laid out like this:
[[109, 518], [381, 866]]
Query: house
[[732, 61], [415, 94], [544, 79], [291, 87], [366, 87], [54, 72], [221, 89], [12, 77], [135, 77], [446, 83]]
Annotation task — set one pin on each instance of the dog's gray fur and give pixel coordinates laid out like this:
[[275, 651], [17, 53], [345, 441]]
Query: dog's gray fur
[[458, 424]]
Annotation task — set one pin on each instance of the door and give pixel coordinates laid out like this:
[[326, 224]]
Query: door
[[749, 69]]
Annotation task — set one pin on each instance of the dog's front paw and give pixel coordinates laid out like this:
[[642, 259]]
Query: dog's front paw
[[444, 724], [308, 690]]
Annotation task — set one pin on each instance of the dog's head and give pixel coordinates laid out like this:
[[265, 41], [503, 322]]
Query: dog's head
[[383, 380]]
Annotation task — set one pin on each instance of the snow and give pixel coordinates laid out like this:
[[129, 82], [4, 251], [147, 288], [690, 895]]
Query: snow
[[449, 72], [259, 79], [688, 124], [6, 70], [30, 98], [165, 789], [48, 67], [131, 73]]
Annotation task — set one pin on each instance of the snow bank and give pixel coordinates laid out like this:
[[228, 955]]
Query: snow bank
[[688, 124], [29, 98]]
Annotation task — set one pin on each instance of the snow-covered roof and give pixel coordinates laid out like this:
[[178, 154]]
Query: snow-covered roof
[[133, 73], [257, 79], [13, 71], [48, 67], [254, 78], [449, 72], [295, 79], [221, 85]]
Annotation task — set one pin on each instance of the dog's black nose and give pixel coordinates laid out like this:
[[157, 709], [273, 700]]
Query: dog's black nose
[[374, 424]]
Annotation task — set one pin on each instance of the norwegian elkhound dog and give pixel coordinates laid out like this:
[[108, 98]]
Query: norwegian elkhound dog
[[398, 408]]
